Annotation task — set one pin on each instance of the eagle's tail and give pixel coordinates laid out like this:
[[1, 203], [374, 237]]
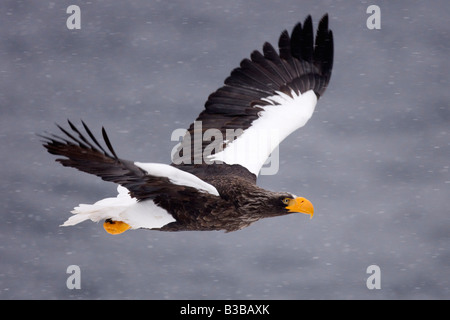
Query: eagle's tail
[[113, 210], [121, 213]]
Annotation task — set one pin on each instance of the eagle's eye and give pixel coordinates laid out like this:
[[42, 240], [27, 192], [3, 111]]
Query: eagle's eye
[[286, 200]]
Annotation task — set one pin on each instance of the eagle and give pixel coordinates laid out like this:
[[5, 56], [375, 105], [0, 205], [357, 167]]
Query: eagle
[[211, 182]]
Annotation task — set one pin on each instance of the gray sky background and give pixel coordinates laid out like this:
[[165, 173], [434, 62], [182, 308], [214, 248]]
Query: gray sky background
[[374, 159]]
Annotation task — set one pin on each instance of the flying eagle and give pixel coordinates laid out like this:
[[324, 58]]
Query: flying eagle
[[211, 183]]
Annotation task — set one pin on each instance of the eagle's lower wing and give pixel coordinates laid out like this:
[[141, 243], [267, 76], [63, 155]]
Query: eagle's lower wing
[[264, 100], [143, 180]]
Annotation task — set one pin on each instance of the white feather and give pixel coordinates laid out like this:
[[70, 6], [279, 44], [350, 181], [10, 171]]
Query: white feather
[[278, 120], [144, 214], [177, 176]]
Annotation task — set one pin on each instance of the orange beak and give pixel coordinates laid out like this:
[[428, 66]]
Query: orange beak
[[301, 205]]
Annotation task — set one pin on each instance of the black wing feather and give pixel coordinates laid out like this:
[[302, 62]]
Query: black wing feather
[[82, 154]]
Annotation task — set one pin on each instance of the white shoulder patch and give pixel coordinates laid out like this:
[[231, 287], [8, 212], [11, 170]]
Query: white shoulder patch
[[177, 176], [278, 120]]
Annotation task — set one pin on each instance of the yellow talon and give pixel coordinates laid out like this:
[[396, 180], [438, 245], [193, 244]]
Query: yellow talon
[[115, 227]]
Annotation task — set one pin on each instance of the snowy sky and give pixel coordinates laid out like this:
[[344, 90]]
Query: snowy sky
[[374, 158]]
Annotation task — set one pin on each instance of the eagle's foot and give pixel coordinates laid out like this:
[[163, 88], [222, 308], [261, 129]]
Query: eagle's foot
[[115, 227]]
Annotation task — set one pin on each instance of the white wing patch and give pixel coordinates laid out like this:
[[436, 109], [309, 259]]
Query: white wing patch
[[283, 116], [177, 176]]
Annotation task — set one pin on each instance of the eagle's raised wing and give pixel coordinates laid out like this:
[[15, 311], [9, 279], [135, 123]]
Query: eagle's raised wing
[[263, 101]]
